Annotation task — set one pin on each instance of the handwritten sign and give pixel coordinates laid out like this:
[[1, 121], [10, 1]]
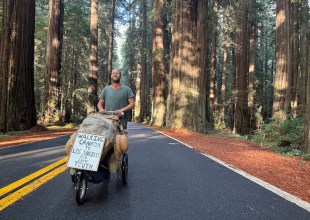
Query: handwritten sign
[[86, 152]]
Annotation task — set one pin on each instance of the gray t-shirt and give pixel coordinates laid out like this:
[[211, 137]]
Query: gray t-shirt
[[116, 99]]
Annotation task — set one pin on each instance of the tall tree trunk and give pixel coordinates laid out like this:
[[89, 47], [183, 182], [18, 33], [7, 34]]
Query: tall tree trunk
[[241, 117], [131, 59], [53, 61], [93, 60], [143, 93], [187, 67], [282, 87], [158, 65], [307, 107], [201, 120], [213, 71], [17, 105], [111, 41], [74, 76], [295, 56], [4, 55], [226, 42], [252, 64], [223, 88], [137, 110], [304, 71]]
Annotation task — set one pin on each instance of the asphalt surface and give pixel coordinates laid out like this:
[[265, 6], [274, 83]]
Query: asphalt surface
[[167, 180]]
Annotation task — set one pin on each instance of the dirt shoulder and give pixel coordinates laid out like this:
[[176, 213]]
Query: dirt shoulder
[[32, 136], [289, 174]]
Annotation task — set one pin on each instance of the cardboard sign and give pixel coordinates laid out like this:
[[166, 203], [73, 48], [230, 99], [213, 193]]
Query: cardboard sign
[[86, 152]]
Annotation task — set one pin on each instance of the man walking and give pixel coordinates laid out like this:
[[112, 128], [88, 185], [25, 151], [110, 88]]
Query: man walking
[[117, 97]]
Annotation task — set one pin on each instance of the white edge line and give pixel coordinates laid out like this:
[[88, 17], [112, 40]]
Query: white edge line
[[31, 142], [301, 203]]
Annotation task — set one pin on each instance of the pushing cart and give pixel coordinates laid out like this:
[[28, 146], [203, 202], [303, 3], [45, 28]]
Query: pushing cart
[[96, 149]]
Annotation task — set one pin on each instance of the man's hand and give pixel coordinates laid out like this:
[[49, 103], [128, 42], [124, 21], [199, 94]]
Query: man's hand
[[102, 110], [119, 112]]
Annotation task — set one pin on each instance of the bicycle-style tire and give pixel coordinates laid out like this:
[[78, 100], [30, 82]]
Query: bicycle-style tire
[[80, 188], [125, 169]]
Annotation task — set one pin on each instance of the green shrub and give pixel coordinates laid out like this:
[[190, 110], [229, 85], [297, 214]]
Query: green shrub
[[282, 137]]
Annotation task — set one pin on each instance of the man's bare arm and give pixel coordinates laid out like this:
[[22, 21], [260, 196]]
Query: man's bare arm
[[129, 106], [100, 105]]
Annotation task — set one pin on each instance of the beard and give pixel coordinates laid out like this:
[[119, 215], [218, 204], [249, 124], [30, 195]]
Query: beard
[[116, 80]]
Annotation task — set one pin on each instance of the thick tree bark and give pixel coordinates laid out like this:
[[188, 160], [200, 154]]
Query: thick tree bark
[[241, 116], [252, 64], [137, 109], [202, 118], [53, 61], [17, 108], [188, 66], [295, 55], [4, 54], [304, 53], [223, 88], [143, 93], [93, 59], [111, 41], [305, 71], [213, 89], [158, 65], [282, 87]]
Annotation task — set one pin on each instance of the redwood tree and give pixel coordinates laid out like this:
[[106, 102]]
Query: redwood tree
[[252, 64], [111, 39], [143, 91], [241, 116], [53, 61], [307, 116], [282, 87], [17, 104], [213, 89], [304, 53], [93, 60], [186, 104], [158, 65]]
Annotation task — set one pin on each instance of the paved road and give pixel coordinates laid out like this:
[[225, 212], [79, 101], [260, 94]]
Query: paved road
[[166, 181]]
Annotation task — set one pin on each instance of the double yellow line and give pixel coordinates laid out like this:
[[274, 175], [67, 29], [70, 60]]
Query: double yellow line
[[13, 197]]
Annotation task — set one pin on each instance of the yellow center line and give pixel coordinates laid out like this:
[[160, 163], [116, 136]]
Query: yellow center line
[[30, 177], [10, 199]]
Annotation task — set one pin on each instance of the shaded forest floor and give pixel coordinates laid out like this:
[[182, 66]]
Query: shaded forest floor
[[290, 174]]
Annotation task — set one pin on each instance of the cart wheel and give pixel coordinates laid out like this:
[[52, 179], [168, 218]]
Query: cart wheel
[[73, 178], [73, 175], [80, 188], [125, 168]]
